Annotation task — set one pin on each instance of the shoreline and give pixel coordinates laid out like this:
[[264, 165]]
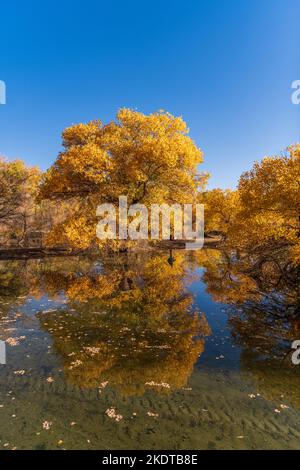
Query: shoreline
[[7, 254]]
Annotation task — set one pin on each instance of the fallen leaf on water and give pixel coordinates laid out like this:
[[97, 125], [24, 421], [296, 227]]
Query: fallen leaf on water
[[103, 384], [111, 413], [156, 384], [154, 415], [12, 341], [47, 425]]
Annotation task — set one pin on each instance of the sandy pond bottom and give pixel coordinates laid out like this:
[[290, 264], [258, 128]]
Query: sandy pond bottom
[[217, 413]]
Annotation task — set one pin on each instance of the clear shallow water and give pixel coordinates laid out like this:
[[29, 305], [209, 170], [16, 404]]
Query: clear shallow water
[[132, 352]]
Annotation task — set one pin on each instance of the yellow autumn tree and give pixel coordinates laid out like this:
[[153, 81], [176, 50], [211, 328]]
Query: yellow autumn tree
[[18, 188], [221, 208], [270, 200], [148, 158], [263, 214]]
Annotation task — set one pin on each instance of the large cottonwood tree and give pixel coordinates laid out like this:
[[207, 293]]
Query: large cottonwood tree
[[148, 158]]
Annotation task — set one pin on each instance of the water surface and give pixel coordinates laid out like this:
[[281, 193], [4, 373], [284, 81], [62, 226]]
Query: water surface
[[145, 351]]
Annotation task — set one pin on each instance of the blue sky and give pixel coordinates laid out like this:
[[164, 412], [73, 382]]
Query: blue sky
[[225, 66]]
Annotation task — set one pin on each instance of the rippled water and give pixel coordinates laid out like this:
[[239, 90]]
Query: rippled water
[[142, 351]]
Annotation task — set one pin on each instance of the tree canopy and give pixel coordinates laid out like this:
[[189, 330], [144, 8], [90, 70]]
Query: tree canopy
[[264, 211], [148, 158]]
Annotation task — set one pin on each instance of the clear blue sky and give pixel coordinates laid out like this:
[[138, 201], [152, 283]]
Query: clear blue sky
[[225, 66]]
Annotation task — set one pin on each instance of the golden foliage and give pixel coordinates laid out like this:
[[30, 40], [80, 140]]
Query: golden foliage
[[148, 158], [264, 211]]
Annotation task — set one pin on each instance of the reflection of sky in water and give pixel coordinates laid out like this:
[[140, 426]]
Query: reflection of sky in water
[[220, 352]]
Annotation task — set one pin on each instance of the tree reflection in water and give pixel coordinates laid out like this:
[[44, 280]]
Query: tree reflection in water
[[128, 321], [263, 292]]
